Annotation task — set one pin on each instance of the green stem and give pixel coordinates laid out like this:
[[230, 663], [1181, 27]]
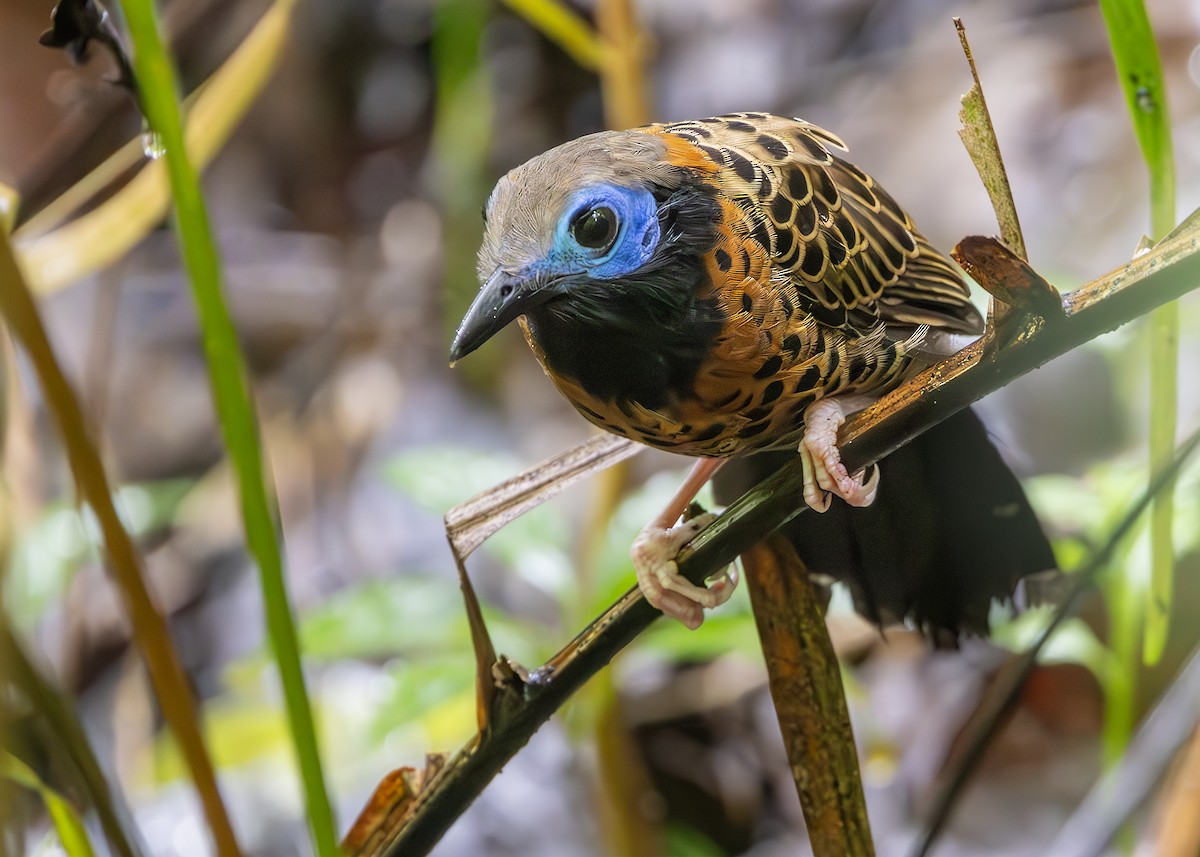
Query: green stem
[[1140, 71], [227, 374], [1164, 399], [1120, 682]]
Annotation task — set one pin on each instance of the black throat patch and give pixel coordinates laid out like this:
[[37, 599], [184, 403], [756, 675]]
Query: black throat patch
[[641, 338]]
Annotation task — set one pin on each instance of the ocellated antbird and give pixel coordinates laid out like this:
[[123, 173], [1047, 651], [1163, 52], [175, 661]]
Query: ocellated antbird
[[730, 286]]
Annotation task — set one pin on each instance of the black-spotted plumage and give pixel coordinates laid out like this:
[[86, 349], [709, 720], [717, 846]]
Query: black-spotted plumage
[[794, 244], [698, 286]]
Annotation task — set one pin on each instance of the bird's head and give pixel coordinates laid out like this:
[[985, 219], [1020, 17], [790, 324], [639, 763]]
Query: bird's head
[[568, 227]]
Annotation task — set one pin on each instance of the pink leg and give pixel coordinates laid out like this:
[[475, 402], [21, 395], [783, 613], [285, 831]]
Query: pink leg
[[702, 471], [823, 468], [655, 549]]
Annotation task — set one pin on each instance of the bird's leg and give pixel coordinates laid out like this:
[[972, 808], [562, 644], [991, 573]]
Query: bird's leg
[[823, 468], [654, 551]]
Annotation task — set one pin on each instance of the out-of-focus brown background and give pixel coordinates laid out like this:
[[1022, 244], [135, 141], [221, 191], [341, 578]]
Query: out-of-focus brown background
[[346, 207]]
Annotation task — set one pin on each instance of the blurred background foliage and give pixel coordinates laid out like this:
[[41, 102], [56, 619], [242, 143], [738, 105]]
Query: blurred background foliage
[[346, 206]]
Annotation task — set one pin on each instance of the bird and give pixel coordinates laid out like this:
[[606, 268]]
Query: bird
[[731, 289]]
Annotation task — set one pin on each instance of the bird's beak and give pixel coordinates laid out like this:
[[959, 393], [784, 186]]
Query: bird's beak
[[502, 298]]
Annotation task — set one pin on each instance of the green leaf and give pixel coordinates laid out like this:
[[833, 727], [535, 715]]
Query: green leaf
[[1073, 643], [67, 823], [1136, 56], [437, 695], [684, 841], [50, 552], [536, 546], [384, 618]]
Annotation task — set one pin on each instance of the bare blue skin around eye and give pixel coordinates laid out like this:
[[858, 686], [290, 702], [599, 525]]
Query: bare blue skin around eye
[[637, 233]]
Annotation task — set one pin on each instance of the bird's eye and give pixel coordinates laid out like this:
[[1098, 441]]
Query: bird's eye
[[596, 228]]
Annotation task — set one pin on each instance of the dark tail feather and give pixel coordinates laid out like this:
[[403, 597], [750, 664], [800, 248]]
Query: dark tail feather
[[950, 531]]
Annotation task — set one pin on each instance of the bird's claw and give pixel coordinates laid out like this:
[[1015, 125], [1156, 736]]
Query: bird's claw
[[653, 554], [824, 473]]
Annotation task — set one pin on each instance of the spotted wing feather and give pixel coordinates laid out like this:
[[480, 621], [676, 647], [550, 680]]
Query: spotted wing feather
[[854, 256]]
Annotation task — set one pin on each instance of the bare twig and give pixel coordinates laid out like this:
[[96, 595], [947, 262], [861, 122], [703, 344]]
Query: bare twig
[[806, 686], [1171, 269], [471, 522]]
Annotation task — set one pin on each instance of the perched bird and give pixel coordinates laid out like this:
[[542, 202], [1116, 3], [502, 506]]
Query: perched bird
[[731, 286]]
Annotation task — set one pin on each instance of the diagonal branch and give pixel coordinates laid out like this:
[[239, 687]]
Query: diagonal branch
[[1170, 270]]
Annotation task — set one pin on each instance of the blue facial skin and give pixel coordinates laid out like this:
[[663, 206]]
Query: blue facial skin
[[637, 234]]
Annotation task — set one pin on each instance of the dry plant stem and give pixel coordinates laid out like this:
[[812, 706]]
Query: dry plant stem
[[979, 136], [122, 560], [806, 686], [471, 522], [485, 651], [1168, 271], [99, 237], [1179, 828], [623, 66], [622, 779]]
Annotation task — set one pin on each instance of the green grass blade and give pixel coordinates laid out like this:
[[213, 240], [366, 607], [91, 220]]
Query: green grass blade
[[227, 374], [1125, 610], [71, 741], [68, 825], [1164, 380], [1138, 66], [122, 560]]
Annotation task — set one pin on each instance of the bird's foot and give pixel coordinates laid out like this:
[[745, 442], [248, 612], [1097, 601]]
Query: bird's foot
[[824, 473], [653, 554]]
